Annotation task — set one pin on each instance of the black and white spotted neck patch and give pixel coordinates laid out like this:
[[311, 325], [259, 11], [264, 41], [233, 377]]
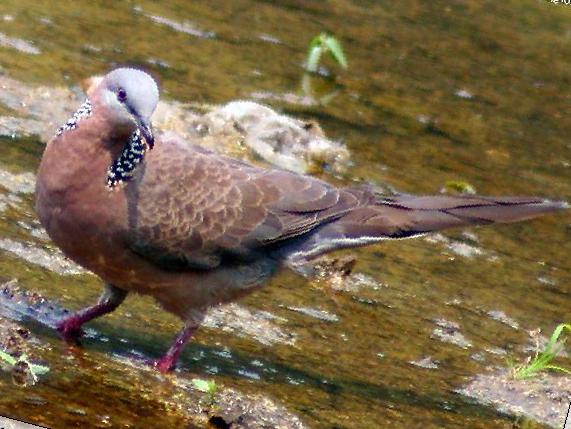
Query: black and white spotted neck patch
[[83, 112], [123, 167]]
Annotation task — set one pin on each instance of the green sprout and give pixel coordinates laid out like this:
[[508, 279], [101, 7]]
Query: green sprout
[[35, 369], [459, 186], [542, 361], [324, 43], [209, 387]]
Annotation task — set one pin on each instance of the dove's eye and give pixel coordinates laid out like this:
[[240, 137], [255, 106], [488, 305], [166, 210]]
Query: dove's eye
[[121, 95]]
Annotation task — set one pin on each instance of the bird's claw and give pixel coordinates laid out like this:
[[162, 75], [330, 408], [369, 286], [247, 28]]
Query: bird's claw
[[70, 330], [162, 365]]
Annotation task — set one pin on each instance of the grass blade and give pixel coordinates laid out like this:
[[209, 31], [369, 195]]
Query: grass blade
[[313, 57], [7, 358], [336, 51], [542, 360]]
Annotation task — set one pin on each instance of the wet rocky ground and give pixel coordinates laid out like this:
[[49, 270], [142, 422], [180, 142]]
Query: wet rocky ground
[[258, 134], [539, 399], [219, 407]]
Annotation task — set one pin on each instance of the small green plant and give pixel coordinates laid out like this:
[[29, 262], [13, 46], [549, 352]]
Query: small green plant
[[459, 186], [324, 43], [35, 369], [209, 387], [542, 361]]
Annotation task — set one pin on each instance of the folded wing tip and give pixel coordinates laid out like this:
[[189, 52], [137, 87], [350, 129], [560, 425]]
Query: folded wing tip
[[557, 205]]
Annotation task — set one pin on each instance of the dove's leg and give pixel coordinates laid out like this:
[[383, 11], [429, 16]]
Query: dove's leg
[[168, 361], [110, 299]]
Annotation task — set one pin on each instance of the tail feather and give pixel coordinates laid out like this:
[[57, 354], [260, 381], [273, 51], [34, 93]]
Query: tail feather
[[473, 210], [406, 216]]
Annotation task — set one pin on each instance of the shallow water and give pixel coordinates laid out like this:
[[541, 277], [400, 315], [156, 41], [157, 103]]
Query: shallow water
[[436, 91]]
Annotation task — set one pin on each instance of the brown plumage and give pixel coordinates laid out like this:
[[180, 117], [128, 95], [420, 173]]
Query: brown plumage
[[193, 228]]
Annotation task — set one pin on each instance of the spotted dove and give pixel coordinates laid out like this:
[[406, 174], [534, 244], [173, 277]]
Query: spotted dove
[[193, 228]]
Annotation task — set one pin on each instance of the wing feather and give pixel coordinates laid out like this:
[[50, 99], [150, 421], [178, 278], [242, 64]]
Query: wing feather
[[193, 206]]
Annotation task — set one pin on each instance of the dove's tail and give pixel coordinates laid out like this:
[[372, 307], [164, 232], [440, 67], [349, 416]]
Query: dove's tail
[[406, 216]]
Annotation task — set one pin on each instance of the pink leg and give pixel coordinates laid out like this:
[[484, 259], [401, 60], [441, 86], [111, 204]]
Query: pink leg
[[168, 361], [70, 327]]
